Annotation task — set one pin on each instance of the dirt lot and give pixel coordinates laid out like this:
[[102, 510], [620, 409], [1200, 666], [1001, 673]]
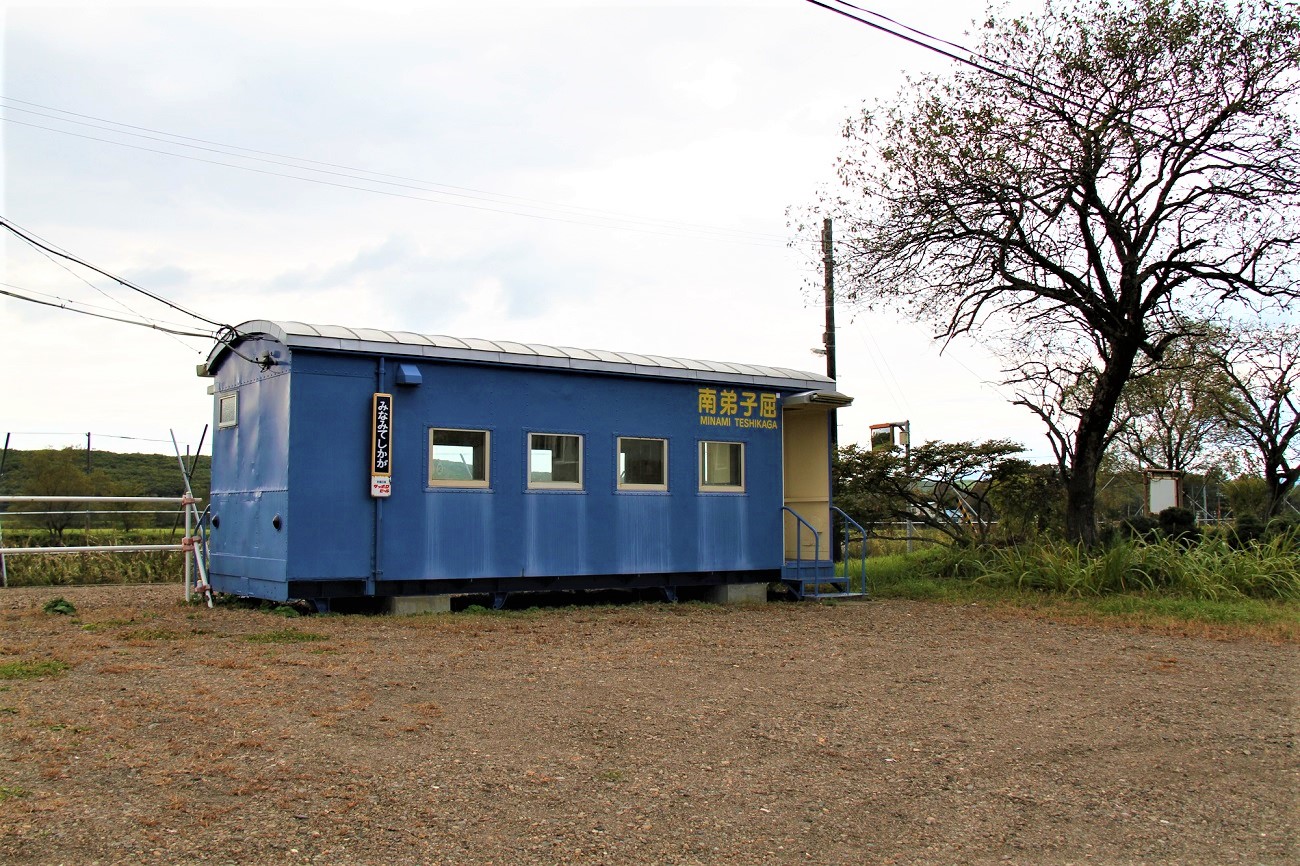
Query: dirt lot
[[876, 732]]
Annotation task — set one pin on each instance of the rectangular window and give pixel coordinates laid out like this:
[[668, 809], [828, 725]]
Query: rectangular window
[[458, 458], [642, 464], [228, 410], [722, 467], [555, 461]]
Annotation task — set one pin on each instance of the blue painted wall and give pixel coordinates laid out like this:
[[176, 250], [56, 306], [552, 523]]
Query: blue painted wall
[[301, 451], [249, 555]]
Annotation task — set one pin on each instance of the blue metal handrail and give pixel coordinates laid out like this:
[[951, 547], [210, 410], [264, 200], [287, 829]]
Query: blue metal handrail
[[858, 526], [798, 542]]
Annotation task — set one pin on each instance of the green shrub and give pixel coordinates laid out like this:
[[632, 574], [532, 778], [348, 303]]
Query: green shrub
[[1142, 526], [1246, 529], [1178, 524], [59, 605]]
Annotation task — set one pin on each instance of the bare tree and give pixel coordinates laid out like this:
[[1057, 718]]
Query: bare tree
[[1256, 373], [1125, 168]]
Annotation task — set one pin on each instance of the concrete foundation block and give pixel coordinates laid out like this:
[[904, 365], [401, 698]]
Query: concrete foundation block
[[739, 593], [404, 605]]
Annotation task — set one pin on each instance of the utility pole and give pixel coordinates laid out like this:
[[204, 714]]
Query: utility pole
[[828, 341], [828, 338], [828, 274]]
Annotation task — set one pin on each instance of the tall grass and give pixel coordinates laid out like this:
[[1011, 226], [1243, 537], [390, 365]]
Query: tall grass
[[1207, 588], [64, 569], [1209, 569], [72, 569]]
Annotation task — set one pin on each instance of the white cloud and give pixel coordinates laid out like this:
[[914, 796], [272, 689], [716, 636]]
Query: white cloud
[[721, 115]]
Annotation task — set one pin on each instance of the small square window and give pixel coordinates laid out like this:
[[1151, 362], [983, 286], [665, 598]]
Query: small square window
[[722, 467], [227, 410], [554, 461], [642, 464], [458, 458]]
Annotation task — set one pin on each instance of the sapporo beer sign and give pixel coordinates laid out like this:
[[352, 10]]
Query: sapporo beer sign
[[381, 445]]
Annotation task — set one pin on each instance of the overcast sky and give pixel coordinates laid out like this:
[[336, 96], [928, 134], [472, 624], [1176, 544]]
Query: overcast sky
[[603, 175]]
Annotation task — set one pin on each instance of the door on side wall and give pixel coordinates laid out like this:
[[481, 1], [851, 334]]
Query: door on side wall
[[805, 447]]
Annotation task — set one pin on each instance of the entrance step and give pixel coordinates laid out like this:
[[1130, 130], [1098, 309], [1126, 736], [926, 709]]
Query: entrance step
[[817, 579]]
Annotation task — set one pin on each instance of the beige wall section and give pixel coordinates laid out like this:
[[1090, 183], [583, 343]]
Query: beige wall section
[[806, 461]]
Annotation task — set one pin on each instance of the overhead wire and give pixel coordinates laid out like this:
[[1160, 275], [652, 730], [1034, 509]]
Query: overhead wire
[[68, 305], [352, 171], [62, 300], [582, 222], [1014, 76], [918, 32], [884, 371], [82, 435], [631, 224], [224, 334], [115, 300], [31, 239]]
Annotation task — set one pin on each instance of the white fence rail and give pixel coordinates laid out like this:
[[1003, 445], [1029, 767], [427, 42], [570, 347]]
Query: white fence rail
[[187, 544]]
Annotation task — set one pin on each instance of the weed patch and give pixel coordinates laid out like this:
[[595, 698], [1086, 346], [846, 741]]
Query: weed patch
[[20, 670], [60, 606]]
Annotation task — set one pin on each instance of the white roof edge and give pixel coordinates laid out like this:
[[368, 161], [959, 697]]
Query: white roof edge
[[326, 338]]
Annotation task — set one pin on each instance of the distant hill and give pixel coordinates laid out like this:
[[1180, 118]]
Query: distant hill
[[63, 472]]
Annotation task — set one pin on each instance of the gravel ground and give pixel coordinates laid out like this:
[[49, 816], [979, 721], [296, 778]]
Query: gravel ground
[[866, 732]]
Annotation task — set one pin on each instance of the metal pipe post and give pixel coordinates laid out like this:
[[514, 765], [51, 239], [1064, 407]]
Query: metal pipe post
[[189, 566]]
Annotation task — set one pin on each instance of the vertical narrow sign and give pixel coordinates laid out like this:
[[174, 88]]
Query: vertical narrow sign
[[381, 445]]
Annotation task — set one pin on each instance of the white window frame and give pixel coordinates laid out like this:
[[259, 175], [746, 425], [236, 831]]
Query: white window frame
[[233, 399], [554, 485], [618, 454], [721, 488], [462, 482]]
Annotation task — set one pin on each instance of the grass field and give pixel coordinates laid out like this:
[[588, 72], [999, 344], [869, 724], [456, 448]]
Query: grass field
[[1208, 588]]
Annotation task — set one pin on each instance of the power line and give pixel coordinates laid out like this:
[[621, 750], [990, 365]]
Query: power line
[[641, 225], [65, 304], [1032, 84], [115, 300], [225, 334], [31, 239], [921, 33], [82, 435], [351, 171], [589, 223], [82, 304], [873, 349]]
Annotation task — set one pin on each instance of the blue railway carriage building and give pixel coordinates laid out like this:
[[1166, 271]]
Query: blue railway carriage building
[[352, 463]]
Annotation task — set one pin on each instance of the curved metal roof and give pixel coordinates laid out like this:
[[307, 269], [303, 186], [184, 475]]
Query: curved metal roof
[[337, 338]]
